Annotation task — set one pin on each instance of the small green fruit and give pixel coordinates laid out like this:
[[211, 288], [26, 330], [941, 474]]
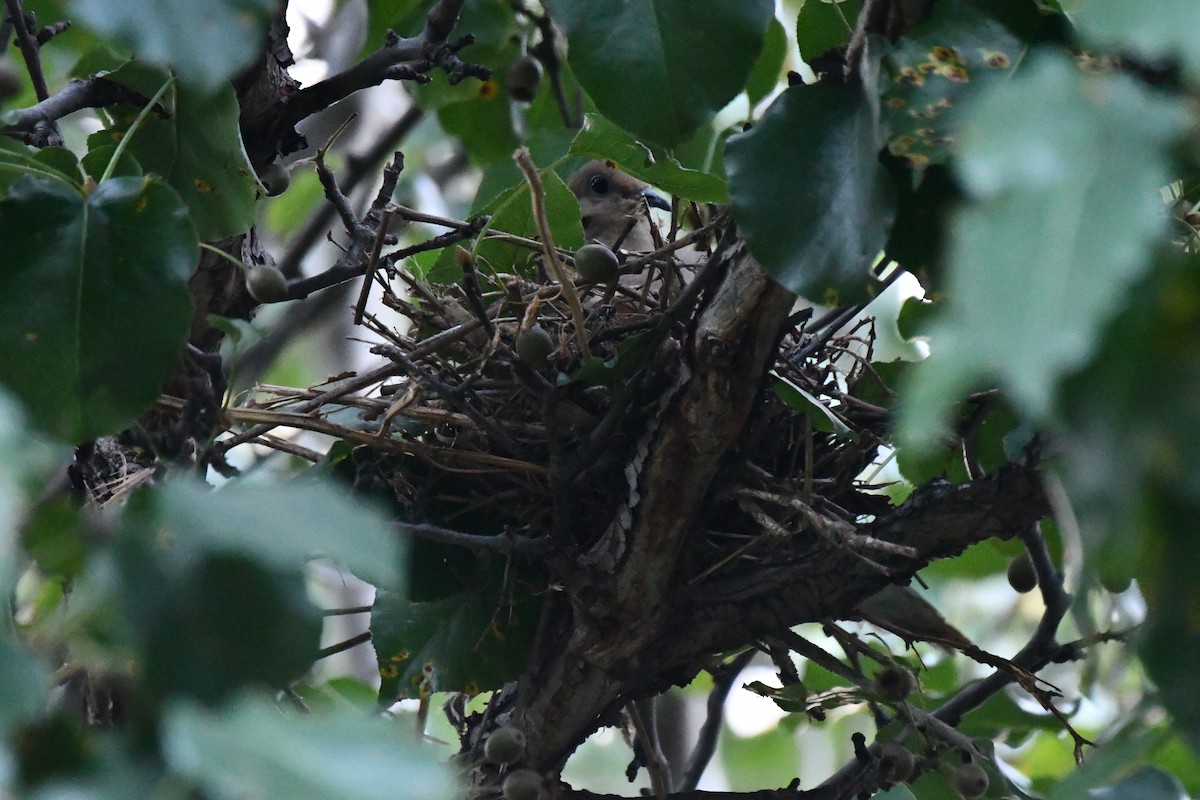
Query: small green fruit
[[534, 347], [275, 179], [504, 746], [596, 263], [894, 683], [971, 780], [10, 80], [896, 762], [266, 284], [1115, 578], [523, 78], [522, 784], [1021, 575]]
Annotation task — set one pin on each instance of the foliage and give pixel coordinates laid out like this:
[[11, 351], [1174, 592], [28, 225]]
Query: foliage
[[1014, 185]]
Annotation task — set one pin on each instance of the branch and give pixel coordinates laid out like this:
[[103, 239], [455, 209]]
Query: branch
[[938, 521], [629, 583], [75, 96], [706, 741], [503, 543], [27, 40], [348, 268], [397, 59]]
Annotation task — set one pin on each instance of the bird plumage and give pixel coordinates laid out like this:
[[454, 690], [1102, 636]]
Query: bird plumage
[[609, 200]]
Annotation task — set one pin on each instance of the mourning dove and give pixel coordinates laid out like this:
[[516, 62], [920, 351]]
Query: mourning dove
[[609, 200]]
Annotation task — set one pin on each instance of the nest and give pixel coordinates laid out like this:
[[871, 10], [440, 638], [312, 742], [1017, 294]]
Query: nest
[[469, 428]]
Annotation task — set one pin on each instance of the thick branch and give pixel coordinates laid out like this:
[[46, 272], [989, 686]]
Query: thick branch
[[75, 96], [620, 603], [938, 521]]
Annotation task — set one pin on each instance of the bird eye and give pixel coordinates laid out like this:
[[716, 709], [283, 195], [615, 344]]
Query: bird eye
[[598, 184]]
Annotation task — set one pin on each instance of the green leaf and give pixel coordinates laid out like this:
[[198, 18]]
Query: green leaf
[[115, 775], [768, 759], [896, 793], [23, 692], [385, 15], [468, 642], [809, 193], [97, 160], [28, 461], [253, 749], [764, 75], [196, 147], [658, 68], [1163, 29], [484, 126], [1065, 171], [1169, 639], [284, 525], [512, 212], [210, 624], [1122, 440], [63, 161], [923, 212], [821, 417], [1148, 783], [17, 159], [56, 537], [77, 264], [825, 24], [1001, 718], [1120, 755], [205, 43], [600, 138], [954, 56]]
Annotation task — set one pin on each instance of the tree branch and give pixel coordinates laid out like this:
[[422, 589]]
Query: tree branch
[[397, 59], [75, 96]]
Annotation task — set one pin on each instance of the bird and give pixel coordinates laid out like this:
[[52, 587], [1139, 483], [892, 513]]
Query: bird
[[609, 200], [902, 611]]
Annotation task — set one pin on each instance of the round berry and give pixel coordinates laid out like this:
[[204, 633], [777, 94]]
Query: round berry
[[896, 762], [522, 784], [534, 347], [894, 683], [275, 179], [1021, 575], [523, 78], [266, 283], [505, 745], [970, 780], [596, 263]]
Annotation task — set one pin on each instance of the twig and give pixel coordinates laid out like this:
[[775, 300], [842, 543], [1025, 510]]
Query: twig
[[454, 396], [358, 382], [504, 543], [470, 281], [341, 647], [538, 197], [397, 59], [372, 263], [357, 169], [348, 268], [30, 49], [706, 741], [641, 715], [346, 612]]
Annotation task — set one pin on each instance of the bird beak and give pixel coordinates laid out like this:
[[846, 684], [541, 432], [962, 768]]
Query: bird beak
[[656, 200]]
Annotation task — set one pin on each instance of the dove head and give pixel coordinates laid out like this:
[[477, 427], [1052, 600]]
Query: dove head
[[608, 199]]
